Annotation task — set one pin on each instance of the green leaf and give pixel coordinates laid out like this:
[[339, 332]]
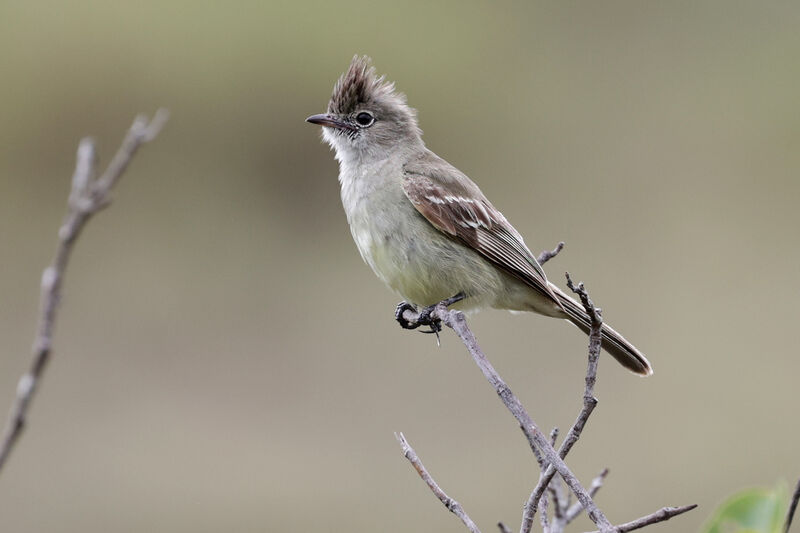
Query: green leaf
[[751, 511]]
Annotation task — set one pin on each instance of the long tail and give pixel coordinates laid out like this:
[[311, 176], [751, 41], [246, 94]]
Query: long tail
[[614, 343]]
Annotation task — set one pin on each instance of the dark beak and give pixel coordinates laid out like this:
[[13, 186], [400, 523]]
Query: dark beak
[[331, 121]]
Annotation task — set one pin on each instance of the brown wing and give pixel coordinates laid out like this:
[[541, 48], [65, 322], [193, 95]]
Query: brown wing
[[456, 207]]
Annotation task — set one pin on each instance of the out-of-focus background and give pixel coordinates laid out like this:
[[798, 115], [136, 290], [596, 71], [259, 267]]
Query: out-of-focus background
[[225, 361]]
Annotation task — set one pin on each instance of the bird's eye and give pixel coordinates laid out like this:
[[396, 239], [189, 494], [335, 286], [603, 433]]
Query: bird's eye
[[365, 119]]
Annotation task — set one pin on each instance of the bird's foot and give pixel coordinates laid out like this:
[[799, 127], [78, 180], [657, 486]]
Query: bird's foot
[[425, 317], [401, 308]]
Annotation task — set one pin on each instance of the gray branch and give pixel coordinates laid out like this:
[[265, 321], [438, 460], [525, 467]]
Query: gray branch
[[543, 518], [575, 510], [87, 197], [536, 439], [661, 515], [547, 255], [589, 403], [452, 505], [550, 461]]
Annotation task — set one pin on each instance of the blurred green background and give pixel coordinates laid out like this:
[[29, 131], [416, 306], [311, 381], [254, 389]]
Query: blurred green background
[[225, 361]]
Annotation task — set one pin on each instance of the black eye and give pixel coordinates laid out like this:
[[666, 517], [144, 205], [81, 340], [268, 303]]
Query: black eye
[[365, 119]]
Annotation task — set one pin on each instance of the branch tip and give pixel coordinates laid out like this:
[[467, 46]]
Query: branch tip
[[156, 124], [662, 515], [547, 255]]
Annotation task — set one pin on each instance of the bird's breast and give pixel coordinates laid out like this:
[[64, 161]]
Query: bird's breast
[[406, 251]]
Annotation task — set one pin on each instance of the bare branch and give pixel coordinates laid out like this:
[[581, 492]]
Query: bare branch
[[87, 196], [543, 518], [559, 496], [547, 255], [536, 439], [452, 505], [409, 318], [503, 528], [589, 403], [792, 508], [575, 510], [140, 132], [661, 515]]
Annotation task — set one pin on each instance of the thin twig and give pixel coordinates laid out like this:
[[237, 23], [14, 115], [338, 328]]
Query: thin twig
[[543, 515], [661, 515], [555, 495], [503, 528], [536, 439], [559, 506], [87, 196], [575, 510], [792, 508], [547, 255], [589, 403], [452, 505]]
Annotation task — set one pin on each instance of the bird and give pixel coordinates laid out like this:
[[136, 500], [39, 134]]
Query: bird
[[423, 226]]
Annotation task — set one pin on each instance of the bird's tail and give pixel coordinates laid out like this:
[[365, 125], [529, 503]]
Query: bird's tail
[[614, 343]]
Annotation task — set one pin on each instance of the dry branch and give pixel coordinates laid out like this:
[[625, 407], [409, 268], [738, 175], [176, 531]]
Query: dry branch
[[661, 515], [550, 461], [536, 439], [547, 255], [589, 403], [88, 195], [575, 510], [452, 505]]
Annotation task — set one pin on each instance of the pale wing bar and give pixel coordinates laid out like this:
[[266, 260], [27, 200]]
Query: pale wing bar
[[476, 223]]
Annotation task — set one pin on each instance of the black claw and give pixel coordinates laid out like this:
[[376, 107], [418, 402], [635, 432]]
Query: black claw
[[402, 307], [424, 317]]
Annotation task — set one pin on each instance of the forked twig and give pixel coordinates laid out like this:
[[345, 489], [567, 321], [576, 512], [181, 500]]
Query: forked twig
[[550, 461], [589, 403], [87, 196], [456, 321], [575, 510]]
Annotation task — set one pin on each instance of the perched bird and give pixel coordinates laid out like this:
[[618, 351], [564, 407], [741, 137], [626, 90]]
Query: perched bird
[[423, 226]]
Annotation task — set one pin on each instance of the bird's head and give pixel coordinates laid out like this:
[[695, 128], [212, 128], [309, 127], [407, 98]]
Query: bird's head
[[366, 117]]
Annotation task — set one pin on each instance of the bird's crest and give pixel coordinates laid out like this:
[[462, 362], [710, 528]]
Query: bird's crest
[[360, 85]]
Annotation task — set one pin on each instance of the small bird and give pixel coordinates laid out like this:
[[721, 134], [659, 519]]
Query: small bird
[[423, 226]]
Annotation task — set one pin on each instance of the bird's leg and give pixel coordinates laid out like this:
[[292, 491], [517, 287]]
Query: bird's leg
[[453, 299]]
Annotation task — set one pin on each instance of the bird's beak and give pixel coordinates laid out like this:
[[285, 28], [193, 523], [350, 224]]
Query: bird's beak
[[332, 121]]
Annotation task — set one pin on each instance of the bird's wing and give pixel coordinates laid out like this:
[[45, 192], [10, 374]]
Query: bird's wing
[[454, 205]]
